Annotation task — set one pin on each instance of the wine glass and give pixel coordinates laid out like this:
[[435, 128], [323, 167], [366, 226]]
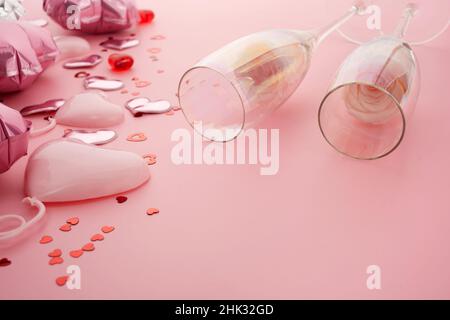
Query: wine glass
[[246, 80], [364, 114]]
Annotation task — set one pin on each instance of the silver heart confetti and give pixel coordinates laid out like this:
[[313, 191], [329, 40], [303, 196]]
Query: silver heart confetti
[[97, 137], [120, 43], [140, 106], [102, 83], [86, 62], [47, 106]]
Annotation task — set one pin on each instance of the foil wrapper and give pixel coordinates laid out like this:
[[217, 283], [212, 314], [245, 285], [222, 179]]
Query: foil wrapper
[[25, 52], [13, 137], [93, 16]]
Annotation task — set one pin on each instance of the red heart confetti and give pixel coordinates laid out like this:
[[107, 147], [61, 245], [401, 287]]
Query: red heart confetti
[[137, 137], [121, 199], [152, 211], [97, 237], [55, 260], [107, 229], [4, 262], [55, 253], [66, 228], [88, 247], [60, 281], [150, 158], [76, 253], [73, 221], [45, 240]]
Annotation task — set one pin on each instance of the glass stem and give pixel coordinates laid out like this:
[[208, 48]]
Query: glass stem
[[403, 25], [323, 33]]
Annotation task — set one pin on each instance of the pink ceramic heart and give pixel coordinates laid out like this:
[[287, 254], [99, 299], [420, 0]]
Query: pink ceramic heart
[[89, 110], [69, 170], [96, 137]]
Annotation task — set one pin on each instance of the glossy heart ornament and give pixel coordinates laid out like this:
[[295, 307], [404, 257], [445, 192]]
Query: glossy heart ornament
[[70, 170], [85, 110]]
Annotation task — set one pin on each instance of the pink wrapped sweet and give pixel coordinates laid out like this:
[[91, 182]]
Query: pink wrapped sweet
[[13, 137], [93, 16], [25, 52]]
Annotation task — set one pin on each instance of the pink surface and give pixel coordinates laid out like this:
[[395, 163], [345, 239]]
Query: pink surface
[[225, 231]]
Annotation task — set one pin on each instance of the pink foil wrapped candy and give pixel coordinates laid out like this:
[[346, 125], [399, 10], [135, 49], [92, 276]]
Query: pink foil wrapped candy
[[25, 52], [13, 137], [93, 16]]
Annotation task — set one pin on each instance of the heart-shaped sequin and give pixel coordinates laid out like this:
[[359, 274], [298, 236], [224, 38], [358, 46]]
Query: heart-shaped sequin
[[137, 137], [61, 281], [85, 62], [55, 260], [65, 228], [97, 237], [140, 106], [76, 253], [55, 253], [73, 221], [88, 247], [45, 240], [107, 229], [152, 211]]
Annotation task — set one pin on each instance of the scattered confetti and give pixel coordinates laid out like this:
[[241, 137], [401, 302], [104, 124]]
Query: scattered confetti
[[55, 260], [97, 237], [121, 199], [73, 221], [137, 137], [152, 211], [4, 262], [66, 227], [45, 240], [61, 281], [88, 247], [76, 253], [107, 229], [55, 253]]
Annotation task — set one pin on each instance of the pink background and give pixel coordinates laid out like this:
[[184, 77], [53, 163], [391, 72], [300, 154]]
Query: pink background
[[225, 231]]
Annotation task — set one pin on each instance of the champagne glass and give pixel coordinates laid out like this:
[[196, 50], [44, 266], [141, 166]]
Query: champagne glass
[[238, 85], [364, 114]]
